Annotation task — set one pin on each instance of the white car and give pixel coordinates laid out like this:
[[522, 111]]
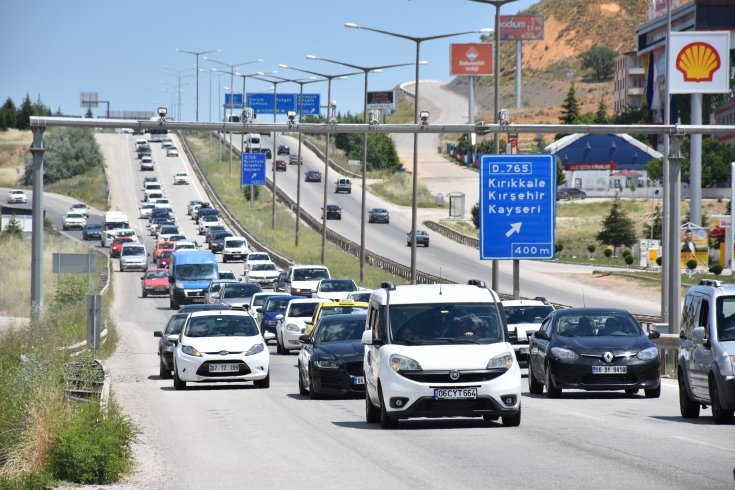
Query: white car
[[263, 272], [181, 178], [184, 245], [524, 317], [291, 324], [220, 346], [133, 256], [206, 222], [80, 208], [334, 289], [145, 209], [147, 163], [17, 196], [251, 257], [234, 248], [171, 151], [226, 274], [166, 231], [73, 220]]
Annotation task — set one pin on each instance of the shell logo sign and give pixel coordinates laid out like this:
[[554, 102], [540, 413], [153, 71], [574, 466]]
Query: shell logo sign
[[698, 62]]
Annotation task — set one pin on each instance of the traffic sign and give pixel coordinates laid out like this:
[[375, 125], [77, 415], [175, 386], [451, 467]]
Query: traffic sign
[[253, 169], [235, 101], [263, 103], [517, 206]]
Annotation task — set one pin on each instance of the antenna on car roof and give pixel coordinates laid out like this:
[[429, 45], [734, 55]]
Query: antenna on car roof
[[440, 281], [584, 302]]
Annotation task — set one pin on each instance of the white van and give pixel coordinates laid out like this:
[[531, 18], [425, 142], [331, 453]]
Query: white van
[[439, 350], [235, 248], [252, 141], [301, 280]]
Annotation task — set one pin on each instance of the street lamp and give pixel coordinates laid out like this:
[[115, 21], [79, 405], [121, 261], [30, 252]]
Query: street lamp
[[197, 54], [365, 70], [329, 79], [177, 73], [418, 41]]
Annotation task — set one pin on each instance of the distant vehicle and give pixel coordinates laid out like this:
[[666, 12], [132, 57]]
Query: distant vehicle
[[523, 317], [133, 256], [226, 274], [272, 308], [172, 151], [313, 176], [72, 220], [264, 273], [207, 221], [291, 324], [343, 185], [301, 280], [192, 203], [80, 208], [422, 238], [145, 209], [295, 160], [361, 295], [281, 166], [17, 196], [117, 245], [189, 276], [184, 245], [268, 153], [147, 163], [334, 211], [214, 288], [378, 215], [166, 346], [334, 289], [181, 178], [252, 141], [283, 150], [238, 294], [217, 242], [113, 220], [164, 259], [149, 180], [144, 150], [569, 193], [235, 247], [92, 231]]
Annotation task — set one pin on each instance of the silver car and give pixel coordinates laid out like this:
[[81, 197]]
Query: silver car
[[237, 294]]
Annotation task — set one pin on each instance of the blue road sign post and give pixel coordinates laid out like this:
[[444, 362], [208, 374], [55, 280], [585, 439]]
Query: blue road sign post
[[235, 102], [517, 206], [253, 169], [263, 103]]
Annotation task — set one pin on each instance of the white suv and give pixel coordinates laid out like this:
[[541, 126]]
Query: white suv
[[439, 350], [524, 317]]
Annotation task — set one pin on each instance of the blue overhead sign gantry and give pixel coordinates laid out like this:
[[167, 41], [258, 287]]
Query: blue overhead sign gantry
[[517, 206], [263, 103], [253, 169]]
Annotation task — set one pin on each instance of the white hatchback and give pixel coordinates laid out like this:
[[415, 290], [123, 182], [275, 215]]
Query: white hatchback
[[291, 324], [17, 196], [220, 346], [181, 178]]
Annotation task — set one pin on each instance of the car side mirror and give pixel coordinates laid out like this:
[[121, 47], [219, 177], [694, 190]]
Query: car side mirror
[[367, 337], [173, 338], [309, 321], [170, 279], [215, 296], [142, 277], [158, 333], [540, 334], [279, 317], [259, 309], [698, 335], [654, 334], [305, 339]]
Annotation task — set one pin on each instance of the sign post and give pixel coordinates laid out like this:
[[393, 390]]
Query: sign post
[[252, 172]]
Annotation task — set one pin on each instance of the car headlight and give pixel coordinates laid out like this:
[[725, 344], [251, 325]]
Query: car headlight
[[297, 290], [326, 364], [402, 363], [648, 354], [292, 328], [179, 285], [255, 349], [501, 361], [564, 355], [191, 351]]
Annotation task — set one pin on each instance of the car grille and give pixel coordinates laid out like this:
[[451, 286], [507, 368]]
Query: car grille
[[443, 376], [204, 369], [355, 368], [431, 405], [608, 379], [195, 294]]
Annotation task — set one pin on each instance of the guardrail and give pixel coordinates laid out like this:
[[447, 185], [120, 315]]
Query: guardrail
[[453, 234], [334, 166]]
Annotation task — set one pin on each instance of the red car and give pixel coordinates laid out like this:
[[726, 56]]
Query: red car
[[117, 244], [281, 166], [164, 258], [154, 281]]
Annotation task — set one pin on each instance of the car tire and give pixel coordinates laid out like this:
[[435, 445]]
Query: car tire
[[653, 392], [265, 382], [386, 421], [312, 393], [631, 391], [279, 349], [372, 413], [302, 387], [171, 304], [551, 390], [719, 414], [178, 383], [534, 386], [144, 294], [689, 408], [512, 420], [163, 371]]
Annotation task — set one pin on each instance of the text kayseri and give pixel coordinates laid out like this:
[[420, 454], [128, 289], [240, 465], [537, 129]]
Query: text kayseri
[[513, 210]]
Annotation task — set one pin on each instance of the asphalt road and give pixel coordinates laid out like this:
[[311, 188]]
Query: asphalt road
[[235, 436]]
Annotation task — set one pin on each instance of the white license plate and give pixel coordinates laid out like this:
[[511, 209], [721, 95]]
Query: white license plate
[[196, 299], [455, 393], [358, 380], [223, 368], [609, 369]]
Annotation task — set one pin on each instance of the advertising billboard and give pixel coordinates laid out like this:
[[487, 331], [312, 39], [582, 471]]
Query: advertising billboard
[[384, 100], [694, 245], [471, 59], [699, 62], [522, 27]]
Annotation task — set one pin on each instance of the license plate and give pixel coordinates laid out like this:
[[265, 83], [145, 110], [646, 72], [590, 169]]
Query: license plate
[[223, 368], [358, 380], [196, 299], [609, 369], [455, 393], [522, 350]]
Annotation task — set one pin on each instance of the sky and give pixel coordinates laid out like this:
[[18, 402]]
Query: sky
[[126, 51]]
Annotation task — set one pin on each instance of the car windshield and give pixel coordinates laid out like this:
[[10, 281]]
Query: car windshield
[[165, 254], [196, 272], [73, 215], [379, 211], [302, 310], [337, 285], [310, 274], [361, 297], [435, 323], [185, 246], [156, 275], [263, 267], [340, 330], [277, 303], [221, 326], [240, 290], [526, 314], [175, 324], [133, 251], [258, 256], [94, 227], [597, 325], [166, 246], [341, 309], [726, 318], [235, 243]]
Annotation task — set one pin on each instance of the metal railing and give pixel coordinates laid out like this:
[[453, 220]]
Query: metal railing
[[453, 234], [332, 164]]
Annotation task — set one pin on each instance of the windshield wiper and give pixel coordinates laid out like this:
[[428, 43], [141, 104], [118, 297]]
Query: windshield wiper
[[452, 340]]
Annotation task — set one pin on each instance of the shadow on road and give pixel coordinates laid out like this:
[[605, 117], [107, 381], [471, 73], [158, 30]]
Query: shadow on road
[[677, 418], [425, 424]]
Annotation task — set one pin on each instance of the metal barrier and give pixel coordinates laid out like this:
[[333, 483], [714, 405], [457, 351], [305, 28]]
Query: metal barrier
[[453, 234], [334, 166], [668, 347]]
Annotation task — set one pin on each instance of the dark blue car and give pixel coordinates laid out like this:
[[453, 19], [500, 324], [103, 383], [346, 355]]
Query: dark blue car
[[273, 306]]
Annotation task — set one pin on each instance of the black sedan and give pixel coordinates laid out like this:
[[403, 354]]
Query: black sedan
[[217, 242], [268, 153], [92, 232], [330, 361], [378, 215], [569, 193], [313, 176], [165, 346], [593, 349], [334, 211], [422, 238]]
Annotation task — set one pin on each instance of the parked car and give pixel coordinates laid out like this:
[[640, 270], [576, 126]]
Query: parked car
[[281, 166], [220, 346], [92, 231], [154, 281], [422, 238], [181, 178], [313, 176], [17, 196], [569, 193], [334, 211], [331, 359], [73, 220], [593, 349], [378, 215]]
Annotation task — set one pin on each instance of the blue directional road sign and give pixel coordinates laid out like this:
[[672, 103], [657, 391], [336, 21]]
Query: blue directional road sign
[[517, 206], [253, 169], [263, 103], [235, 102]]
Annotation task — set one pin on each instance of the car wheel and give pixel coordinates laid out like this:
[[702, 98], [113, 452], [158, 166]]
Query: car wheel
[[163, 371], [265, 382], [652, 392], [689, 408], [372, 414], [512, 420], [719, 414], [144, 294], [171, 304], [551, 390], [224, 259], [178, 384], [534, 386], [279, 349], [386, 421], [631, 391], [312, 392], [302, 388]]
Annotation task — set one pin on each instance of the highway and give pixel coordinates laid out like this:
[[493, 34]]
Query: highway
[[235, 436]]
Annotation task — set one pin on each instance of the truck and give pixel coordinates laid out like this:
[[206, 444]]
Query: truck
[[189, 275], [114, 220], [252, 142]]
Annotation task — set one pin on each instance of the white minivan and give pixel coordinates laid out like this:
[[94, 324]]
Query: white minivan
[[302, 280], [439, 350], [234, 248]]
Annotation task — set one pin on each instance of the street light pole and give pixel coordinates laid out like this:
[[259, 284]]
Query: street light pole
[[414, 190], [365, 70], [197, 54]]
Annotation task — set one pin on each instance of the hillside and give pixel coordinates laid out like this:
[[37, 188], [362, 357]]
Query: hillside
[[571, 27]]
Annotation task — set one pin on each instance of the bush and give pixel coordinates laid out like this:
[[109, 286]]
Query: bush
[[591, 248], [92, 448], [692, 264], [625, 253], [246, 191], [559, 247], [608, 253], [476, 215], [72, 289], [716, 269], [659, 260], [629, 260]]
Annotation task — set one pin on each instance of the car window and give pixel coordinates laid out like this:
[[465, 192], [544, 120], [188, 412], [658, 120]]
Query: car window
[[445, 324], [175, 324], [341, 309], [240, 290], [221, 326], [526, 314], [302, 310], [726, 318], [277, 303], [340, 331], [263, 267], [310, 274], [598, 325], [704, 317]]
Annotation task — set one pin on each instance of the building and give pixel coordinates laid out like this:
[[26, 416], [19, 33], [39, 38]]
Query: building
[[630, 79], [23, 216], [725, 115]]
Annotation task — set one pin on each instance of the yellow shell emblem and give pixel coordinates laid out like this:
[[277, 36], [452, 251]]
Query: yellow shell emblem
[[697, 62]]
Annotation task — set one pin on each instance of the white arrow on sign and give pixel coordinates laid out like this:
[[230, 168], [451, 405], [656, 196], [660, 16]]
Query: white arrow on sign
[[514, 228]]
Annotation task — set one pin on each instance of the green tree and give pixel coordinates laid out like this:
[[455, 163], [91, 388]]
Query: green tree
[[25, 111], [570, 107], [716, 160], [599, 60], [654, 229], [89, 114], [617, 228], [13, 229], [8, 115], [39, 108], [476, 215], [560, 177], [601, 114], [69, 152]]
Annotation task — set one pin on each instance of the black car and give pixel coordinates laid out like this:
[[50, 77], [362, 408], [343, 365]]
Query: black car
[[422, 238], [209, 234], [593, 349], [313, 176], [331, 360], [92, 231], [268, 153], [144, 150], [206, 212], [569, 193], [283, 150], [334, 211], [378, 215], [217, 242], [159, 213], [165, 346]]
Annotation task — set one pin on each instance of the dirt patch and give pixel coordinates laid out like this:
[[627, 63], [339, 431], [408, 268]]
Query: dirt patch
[[610, 8], [620, 286]]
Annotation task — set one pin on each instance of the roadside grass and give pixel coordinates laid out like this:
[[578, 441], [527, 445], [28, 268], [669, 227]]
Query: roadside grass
[[88, 187], [462, 226], [404, 111], [14, 148], [335, 154], [257, 220], [399, 190]]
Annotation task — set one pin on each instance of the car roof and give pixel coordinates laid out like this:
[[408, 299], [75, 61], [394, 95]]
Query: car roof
[[223, 311], [590, 311], [203, 306], [345, 302], [524, 302], [434, 293]]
